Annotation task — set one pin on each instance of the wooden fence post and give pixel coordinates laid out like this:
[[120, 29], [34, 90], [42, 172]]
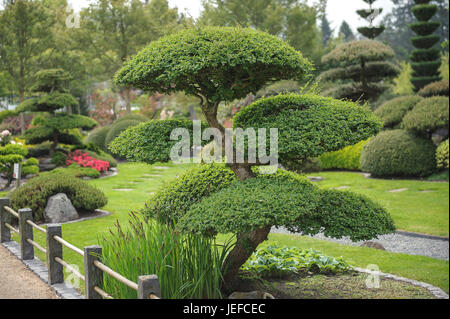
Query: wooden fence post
[[93, 276], [54, 249], [148, 285], [26, 232], [5, 217]]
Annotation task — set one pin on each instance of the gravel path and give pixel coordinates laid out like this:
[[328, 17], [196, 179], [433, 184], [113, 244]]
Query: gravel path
[[399, 243], [18, 282]]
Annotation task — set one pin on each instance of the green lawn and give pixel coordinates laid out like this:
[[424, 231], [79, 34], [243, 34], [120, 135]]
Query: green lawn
[[423, 208], [131, 176]]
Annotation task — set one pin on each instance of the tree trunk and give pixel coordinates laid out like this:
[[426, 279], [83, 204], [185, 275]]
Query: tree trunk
[[22, 116], [246, 244], [127, 100]]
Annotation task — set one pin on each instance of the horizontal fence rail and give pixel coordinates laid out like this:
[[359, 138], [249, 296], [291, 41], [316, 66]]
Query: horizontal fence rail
[[94, 270]]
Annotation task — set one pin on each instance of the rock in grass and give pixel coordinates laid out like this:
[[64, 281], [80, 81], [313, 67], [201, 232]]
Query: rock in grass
[[59, 209]]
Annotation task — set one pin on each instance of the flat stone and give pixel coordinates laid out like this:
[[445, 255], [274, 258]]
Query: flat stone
[[152, 175], [59, 209], [342, 187], [123, 190], [161, 167], [315, 178], [398, 190]]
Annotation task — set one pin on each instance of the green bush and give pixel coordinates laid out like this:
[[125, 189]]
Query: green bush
[[424, 12], [347, 158], [393, 111], [397, 153], [426, 68], [309, 125], [59, 159], [174, 200], [274, 261], [427, 116], [187, 266], [150, 142], [442, 155], [11, 154], [435, 89], [98, 137], [423, 55], [118, 128], [423, 28], [78, 171], [36, 192], [425, 42]]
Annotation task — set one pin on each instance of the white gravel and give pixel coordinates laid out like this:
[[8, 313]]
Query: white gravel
[[399, 243]]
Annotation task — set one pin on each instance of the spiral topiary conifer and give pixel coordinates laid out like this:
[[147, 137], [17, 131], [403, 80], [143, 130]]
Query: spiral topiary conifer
[[370, 15], [426, 57], [53, 124]]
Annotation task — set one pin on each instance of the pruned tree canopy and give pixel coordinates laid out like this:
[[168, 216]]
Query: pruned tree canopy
[[217, 64]]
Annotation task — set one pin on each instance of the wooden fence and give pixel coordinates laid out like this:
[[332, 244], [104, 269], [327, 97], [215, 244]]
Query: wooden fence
[[147, 287]]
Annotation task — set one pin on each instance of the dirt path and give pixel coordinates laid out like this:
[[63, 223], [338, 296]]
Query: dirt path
[[18, 282]]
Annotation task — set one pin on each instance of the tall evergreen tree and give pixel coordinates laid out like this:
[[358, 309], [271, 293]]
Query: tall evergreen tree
[[426, 58], [346, 32], [25, 32]]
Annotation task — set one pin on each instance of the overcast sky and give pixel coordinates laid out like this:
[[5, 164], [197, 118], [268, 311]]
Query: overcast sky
[[338, 10]]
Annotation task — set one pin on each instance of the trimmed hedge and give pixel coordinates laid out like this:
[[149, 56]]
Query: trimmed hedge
[[309, 125], [427, 116], [78, 171], [36, 192], [393, 111], [98, 137], [397, 153], [442, 155], [348, 158], [175, 199], [435, 89], [286, 200]]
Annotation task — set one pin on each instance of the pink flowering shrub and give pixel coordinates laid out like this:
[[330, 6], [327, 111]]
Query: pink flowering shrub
[[84, 160]]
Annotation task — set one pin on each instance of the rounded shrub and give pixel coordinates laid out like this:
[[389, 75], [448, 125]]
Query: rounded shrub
[[397, 153], [439, 88], [174, 200], [393, 111], [59, 159], [427, 116], [442, 155], [98, 137], [118, 128], [36, 192]]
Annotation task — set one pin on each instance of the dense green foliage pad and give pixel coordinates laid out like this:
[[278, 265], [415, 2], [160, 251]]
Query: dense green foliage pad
[[397, 153], [309, 125], [440, 88], [442, 155], [393, 111], [229, 62], [347, 158]]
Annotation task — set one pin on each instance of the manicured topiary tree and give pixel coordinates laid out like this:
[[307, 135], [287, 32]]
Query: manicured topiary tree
[[54, 124], [426, 57], [439, 88], [221, 65], [370, 15], [359, 69]]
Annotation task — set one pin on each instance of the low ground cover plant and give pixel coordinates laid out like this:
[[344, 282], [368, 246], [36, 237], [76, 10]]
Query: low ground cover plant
[[188, 266], [275, 261]]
